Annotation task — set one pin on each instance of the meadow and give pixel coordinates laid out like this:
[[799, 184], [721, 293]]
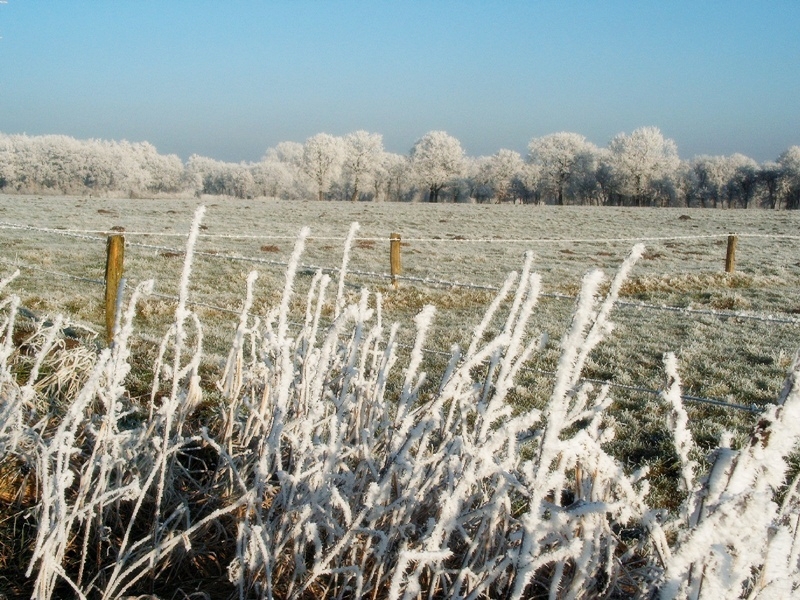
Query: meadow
[[278, 437], [738, 360]]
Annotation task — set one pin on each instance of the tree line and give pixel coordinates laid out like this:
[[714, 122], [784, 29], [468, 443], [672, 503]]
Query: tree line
[[637, 169]]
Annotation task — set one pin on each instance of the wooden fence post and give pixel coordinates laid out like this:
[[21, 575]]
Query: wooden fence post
[[394, 257], [115, 254], [730, 255]]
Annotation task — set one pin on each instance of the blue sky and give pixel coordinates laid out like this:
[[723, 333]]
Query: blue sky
[[231, 78]]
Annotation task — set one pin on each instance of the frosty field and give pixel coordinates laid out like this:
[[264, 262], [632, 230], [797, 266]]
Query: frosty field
[[278, 437], [734, 359], [740, 361]]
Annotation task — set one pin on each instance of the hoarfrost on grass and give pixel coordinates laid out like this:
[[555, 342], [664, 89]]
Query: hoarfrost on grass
[[333, 472]]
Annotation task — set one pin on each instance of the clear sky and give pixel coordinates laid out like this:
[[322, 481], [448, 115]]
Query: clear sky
[[230, 78]]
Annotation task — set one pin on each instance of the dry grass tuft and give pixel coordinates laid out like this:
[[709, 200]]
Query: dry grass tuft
[[411, 299], [697, 282]]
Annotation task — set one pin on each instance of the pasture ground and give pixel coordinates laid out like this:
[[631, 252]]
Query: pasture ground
[[737, 360]]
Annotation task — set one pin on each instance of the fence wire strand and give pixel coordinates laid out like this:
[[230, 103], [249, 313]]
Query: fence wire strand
[[94, 233], [632, 388], [18, 265]]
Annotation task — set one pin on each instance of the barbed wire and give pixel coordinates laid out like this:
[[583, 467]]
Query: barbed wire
[[195, 303], [19, 265], [720, 314], [780, 318], [93, 233], [309, 267], [77, 233], [100, 282], [230, 257], [770, 318], [752, 408], [632, 388], [198, 303], [462, 239]]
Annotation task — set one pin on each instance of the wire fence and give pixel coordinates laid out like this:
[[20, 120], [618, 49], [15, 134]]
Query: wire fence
[[431, 352], [722, 314], [779, 318], [100, 236], [94, 233]]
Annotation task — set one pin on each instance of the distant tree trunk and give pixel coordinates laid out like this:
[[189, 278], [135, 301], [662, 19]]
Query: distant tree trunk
[[748, 191], [770, 179], [772, 193], [562, 181], [639, 191]]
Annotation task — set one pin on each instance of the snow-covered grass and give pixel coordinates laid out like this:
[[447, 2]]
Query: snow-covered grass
[[327, 458]]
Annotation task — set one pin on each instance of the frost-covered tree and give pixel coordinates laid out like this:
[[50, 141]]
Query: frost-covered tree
[[583, 183], [683, 184], [498, 176], [363, 152], [724, 181], [62, 164], [7, 162], [399, 177], [789, 163], [565, 160], [272, 179], [215, 177], [196, 167], [708, 180], [608, 190], [279, 173], [769, 176], [478, 176], [641, 161], [743, 180], [290, 153], [390, 177], [129, 173], [505, 170], [437, 159], [165, 172], [53, 162], [323, 155]]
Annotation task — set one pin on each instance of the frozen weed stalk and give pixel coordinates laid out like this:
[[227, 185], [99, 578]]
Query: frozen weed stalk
[[336, 471], [732, 537]]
